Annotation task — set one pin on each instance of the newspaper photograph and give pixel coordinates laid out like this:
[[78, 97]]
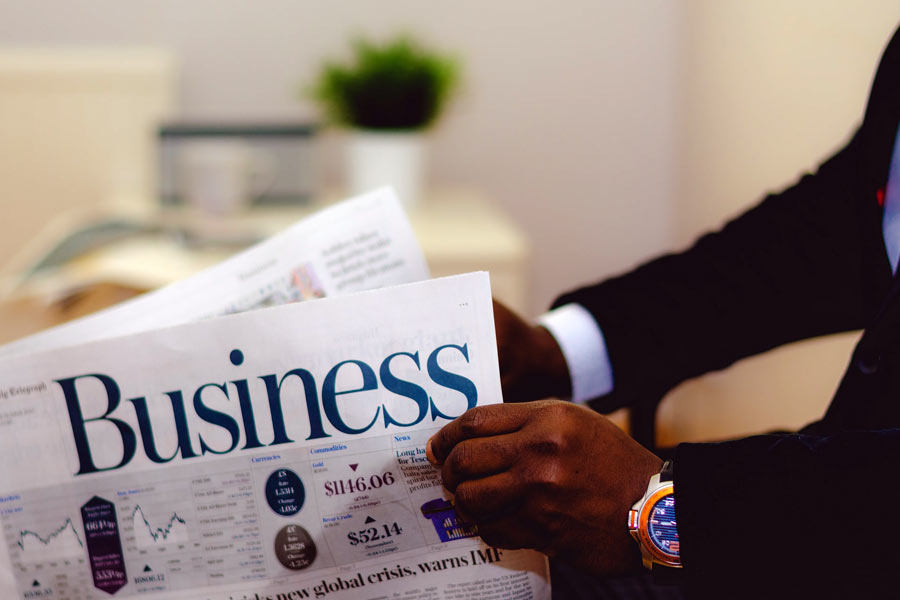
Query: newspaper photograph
[[360, 244], [265, 455]]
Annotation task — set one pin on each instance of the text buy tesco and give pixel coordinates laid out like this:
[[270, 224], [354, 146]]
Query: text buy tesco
[[111, 420]]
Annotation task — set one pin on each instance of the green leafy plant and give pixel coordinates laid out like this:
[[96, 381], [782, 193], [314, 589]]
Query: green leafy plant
[[395, 85]]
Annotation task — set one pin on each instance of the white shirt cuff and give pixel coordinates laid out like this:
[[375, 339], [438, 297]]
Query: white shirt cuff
[[584, 348]]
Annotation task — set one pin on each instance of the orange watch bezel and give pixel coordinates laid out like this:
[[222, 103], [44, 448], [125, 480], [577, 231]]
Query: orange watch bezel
[[658, 555]]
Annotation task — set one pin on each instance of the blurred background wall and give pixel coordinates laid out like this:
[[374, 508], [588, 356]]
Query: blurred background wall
[[609, 131], [567, 108], [768, 90]]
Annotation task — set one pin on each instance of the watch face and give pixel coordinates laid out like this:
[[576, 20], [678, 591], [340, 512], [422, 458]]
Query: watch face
[[661, 526]]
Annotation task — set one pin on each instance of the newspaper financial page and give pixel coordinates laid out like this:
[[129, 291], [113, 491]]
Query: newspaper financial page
[[273, 454]]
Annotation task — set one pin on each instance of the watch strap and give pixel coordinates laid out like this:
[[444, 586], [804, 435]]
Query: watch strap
[[668, 471], [663, 575]]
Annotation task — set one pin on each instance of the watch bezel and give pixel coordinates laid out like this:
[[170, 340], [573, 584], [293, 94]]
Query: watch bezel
[[657, 554]]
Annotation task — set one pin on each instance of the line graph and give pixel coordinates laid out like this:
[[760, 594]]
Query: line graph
[[146, 535], [62, 542]]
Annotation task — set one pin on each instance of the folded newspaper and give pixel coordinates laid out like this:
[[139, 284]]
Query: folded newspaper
[[271, 454]]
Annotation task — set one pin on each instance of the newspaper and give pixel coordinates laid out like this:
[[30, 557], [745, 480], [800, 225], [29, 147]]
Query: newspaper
[[363, 243], [277, 453], [273, 454]]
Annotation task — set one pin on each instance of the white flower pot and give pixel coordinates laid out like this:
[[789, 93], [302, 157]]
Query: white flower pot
[[397, 159]]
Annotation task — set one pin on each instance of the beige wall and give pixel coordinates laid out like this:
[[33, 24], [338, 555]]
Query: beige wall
[[77, 132], [609, 130], [770, 88]]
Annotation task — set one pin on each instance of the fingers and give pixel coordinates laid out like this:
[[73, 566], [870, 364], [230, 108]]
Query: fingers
[[488, 499], [481, 421], [496, 505], [503, 318], [508, 532], [478, 457]]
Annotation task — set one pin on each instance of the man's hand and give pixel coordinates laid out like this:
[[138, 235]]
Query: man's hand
[[532, 366], [547, 475]]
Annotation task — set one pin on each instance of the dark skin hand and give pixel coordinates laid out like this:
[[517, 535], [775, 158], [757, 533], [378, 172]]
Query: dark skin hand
[[532, 366], [548, 475]]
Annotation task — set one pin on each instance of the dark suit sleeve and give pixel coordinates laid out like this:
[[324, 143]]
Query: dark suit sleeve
[[806, 515], [790, 516], [788, 269]]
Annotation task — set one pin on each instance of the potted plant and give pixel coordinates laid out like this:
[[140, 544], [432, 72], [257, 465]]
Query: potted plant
[[388, 94]]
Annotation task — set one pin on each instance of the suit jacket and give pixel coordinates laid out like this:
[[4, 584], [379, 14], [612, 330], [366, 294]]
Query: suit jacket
[[808, 514]]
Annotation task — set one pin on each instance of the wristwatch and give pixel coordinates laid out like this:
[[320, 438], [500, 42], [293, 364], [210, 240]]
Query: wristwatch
[[651, 521]]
